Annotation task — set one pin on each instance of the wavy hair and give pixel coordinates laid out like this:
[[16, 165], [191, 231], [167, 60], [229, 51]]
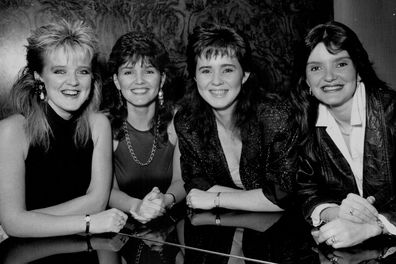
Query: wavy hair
[[336, 37], [131, 48], [76, 39], [211, 40]]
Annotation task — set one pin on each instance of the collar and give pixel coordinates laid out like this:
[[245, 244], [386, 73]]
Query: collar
[[325, 119]]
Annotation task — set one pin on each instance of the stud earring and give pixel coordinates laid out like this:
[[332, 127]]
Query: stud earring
[[161, 97]]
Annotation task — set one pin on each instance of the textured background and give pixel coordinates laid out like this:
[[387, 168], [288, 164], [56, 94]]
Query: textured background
[[273, 27]]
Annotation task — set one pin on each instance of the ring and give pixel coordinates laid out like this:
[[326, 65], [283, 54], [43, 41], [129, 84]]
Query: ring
[[351, 212], [334, 259], [333, 239]]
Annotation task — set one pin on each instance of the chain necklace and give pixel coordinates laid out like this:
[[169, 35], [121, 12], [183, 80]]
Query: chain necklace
[[130, 148]]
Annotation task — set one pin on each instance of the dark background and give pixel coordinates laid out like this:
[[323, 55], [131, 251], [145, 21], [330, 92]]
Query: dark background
[[273, 27]]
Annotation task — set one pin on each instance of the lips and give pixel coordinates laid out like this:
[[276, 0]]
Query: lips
[[139, 90], [332, 88], [218, 92], [70, 92]]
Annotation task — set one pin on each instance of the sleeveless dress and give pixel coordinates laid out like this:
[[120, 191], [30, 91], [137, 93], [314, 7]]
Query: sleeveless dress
[[63, 172], [134, 179]]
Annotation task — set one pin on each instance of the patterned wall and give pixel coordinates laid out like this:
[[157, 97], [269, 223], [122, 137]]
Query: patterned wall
[[273, 26]]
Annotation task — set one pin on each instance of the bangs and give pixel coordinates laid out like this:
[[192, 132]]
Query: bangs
[[135, 58], [214, 51], [72, 52]]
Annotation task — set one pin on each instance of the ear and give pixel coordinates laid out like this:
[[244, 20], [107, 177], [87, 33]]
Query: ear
[[359, 79], [163, 78], [37, 77], [245, 77], [115, 80]]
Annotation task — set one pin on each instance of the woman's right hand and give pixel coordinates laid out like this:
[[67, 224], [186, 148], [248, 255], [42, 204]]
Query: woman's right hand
[[152, 206], [358, 209], [112, 220]]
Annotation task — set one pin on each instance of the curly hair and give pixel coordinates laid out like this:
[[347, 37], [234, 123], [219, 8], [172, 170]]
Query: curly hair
[[76, 39], [131, 48], [336, 37], [211, 40]]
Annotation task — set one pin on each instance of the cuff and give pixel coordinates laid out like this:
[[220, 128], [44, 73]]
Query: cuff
[[315, 216], [388, 225]]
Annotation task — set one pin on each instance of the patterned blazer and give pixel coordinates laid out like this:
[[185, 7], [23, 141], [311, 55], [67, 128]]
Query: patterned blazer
[[268, 159]]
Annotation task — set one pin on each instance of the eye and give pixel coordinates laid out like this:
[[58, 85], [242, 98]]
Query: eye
[[228, 70], [314, 68], [59, 71], [205, 71], [127, 72], [84, 72], [150, 71], [342, 64]]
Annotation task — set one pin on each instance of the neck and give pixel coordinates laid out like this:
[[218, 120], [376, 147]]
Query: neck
[[140, 117], [225, 118], [342, 113]]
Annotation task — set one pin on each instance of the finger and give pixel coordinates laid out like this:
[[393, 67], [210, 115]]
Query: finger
[[363, 203]]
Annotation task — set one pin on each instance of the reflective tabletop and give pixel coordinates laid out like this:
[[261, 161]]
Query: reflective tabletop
[[185, 236]]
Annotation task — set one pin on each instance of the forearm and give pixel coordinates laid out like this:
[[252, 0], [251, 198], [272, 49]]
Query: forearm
[[219, 188], [177, 189], [33, 224], [122, 201], [252, 200], [87, 204]]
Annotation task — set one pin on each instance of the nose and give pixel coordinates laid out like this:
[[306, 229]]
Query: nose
[[217, 79], [139, 79], [330, 75], [73, 79]]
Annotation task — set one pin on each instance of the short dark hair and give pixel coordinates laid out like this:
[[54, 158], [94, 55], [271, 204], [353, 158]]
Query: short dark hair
[[211, 40]]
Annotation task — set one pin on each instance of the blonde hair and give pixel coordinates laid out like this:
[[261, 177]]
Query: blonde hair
[[73, 37]]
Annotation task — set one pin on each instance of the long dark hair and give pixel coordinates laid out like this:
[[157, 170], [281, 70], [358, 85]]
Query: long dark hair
[[336, 37], [133, 47], [210, 40]]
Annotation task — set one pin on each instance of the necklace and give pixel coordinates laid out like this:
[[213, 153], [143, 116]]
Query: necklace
[[130, 148]]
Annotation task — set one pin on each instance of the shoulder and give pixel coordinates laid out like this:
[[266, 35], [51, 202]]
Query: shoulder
[[13, 133], [99, 125], [276, 113], [182, 119]]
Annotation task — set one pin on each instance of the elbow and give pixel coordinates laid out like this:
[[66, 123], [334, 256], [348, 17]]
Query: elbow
[[13, 228]]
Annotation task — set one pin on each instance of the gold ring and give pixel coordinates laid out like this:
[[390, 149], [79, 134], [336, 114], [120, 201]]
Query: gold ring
[[351, 212]]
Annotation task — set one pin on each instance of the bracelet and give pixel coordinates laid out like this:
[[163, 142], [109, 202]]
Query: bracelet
[[217, 220], [174, 200], [89, 246], [87, 219], [217, 200]]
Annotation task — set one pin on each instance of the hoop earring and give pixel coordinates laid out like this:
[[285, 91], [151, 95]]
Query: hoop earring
[[40, 90], [161, 97]]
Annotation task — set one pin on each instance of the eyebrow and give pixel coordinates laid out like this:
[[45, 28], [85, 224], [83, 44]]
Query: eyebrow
[[222, 66], [336, 59]]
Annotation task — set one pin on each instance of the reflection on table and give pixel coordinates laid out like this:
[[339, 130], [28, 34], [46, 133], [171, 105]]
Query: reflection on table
[[199, 237]]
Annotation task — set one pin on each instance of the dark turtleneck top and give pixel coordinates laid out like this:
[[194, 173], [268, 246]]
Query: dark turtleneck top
[[63, 172]]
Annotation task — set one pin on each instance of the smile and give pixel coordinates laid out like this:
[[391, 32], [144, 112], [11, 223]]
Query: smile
[[218, 92], [70, 92], [139, 90], [332, 88]]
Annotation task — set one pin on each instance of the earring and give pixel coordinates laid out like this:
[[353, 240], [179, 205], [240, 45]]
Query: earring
[[40, 90], [161, 97], [120, 97], [310, 91]]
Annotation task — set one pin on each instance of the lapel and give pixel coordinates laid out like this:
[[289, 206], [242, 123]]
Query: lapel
[[376, 172], [334, 162]]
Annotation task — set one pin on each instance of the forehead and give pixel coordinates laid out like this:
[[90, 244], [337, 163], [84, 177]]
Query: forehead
[[217, 60], [131, 62], [68, 56], [320, 53]]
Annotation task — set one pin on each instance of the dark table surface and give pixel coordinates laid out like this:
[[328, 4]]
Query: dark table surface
[[189, 237]]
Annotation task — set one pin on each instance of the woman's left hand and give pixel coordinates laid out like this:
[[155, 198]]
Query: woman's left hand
[[357, 209], [341, 233], [198, 199]]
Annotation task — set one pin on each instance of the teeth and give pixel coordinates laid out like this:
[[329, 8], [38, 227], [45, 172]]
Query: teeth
[[218, 92], [70, 92], [332, 88], [139, 90]]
